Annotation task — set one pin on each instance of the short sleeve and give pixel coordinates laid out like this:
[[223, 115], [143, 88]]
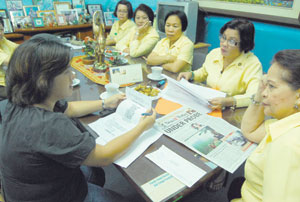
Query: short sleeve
[[62, 141], [186, 52], [158, 47], [60, 106]]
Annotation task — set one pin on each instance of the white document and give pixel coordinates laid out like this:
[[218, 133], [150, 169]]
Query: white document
[[180, 168], [201, 91], [124, 119], [138, 147], [126, 74], [178, 93]]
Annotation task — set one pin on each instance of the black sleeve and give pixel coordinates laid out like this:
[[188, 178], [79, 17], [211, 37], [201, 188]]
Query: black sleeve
[[63, 142], [60, 106]]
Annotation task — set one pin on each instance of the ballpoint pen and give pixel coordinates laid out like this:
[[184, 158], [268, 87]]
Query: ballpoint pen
[[146, 114]]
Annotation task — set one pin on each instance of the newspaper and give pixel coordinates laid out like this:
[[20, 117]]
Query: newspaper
[[211, 137]]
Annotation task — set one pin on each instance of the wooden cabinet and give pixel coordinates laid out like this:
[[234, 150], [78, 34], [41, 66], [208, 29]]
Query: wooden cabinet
[[15, 37], [80, 31]]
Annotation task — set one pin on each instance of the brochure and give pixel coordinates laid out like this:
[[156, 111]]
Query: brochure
[[126, 74], [125, 118]]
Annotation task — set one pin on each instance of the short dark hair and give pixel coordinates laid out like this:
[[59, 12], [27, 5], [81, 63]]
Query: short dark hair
[[181, 15], [1, 21], [290, 61], [33, 67], [129, 8], [147, 10], [246, 30]]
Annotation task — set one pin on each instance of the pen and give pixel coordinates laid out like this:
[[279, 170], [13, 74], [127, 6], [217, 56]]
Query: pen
[[146, 114]]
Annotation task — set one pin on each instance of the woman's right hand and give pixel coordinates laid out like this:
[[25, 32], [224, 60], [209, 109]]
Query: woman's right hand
[[262, 85], [113, 101], [185, 75], [148, 121]]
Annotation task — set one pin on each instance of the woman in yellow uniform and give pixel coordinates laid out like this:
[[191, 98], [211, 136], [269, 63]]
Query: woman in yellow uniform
[[141, 40], [175, 52], [121, 28], [232, 68], [6, 50], [272, 170]]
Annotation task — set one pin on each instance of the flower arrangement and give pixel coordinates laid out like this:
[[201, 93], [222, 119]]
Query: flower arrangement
[[114, 57], [89, 48]]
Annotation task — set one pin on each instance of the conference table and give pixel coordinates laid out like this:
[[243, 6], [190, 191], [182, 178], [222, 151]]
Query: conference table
[[142, 170]]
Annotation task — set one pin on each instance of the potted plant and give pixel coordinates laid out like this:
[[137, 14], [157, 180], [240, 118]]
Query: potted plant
[[89, 50]]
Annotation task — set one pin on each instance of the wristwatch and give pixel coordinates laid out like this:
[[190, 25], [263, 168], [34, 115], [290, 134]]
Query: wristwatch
[[253, 101]]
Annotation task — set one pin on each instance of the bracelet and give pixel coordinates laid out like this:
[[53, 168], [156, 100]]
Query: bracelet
[[193, 76], [253, 101], [233, 107], [103, 108]]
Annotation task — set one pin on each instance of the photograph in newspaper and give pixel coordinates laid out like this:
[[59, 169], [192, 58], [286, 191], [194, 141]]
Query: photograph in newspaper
[[213, 138]]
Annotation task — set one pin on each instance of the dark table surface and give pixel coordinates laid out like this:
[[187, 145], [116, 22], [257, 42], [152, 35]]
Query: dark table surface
[[142, 170]]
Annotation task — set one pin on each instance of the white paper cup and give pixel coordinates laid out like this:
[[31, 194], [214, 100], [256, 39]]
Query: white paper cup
[[112, 89], [156, 72]]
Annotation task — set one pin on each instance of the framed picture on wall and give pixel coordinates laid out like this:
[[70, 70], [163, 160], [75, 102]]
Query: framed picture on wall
[[13, 5], [109, 18], [49, 17], [7, 26], [44, 4], [14, 14], [94, 7], [3, 13], [59, 6], [31, 10], [61, 20], [78, 4], [38, 22], [71, 16]]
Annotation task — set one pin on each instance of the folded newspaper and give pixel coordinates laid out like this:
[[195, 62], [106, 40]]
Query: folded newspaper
[[211, 137]]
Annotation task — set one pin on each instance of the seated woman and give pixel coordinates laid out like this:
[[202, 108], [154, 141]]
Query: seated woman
[[232, 68], [6, 49], [41, 150], [141, 40], [175, 52], [121, 28], [272, 170]]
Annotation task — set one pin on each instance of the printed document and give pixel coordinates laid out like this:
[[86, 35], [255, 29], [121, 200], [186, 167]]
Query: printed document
[[211, 137], [177, 166], [191, 95], [124, 119]]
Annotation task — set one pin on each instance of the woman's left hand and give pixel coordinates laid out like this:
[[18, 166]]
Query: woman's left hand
[[220, 102], [113, 101], [143, 28], [126, 50]]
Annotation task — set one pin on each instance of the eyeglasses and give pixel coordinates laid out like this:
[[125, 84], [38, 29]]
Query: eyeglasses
[[122, 11], [231, 42]]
